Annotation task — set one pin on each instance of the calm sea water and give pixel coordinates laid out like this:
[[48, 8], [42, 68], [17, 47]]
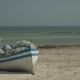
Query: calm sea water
[[41, 34]]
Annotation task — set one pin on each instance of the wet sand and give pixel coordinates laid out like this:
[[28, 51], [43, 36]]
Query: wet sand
[[53, 64]]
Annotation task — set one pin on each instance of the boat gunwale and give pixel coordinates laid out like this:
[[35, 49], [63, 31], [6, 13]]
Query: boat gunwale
[[18, 56], [22, 54]]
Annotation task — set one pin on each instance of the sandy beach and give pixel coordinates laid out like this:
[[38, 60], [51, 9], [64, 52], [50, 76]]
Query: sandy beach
[[53, 64]]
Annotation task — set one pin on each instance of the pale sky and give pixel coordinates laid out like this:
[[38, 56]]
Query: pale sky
[[39, 12]]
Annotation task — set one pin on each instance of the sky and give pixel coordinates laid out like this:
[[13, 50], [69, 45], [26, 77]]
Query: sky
[[39, 12]]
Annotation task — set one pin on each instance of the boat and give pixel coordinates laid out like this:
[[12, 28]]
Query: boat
[[23, 60]]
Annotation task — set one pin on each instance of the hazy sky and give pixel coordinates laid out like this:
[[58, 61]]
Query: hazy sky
[[39, 12]]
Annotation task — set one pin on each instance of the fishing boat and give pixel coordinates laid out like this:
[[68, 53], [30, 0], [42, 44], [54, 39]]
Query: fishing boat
[[23, 60]]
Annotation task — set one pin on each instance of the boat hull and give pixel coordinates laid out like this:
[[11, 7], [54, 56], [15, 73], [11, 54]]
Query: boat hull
[[22, 62]]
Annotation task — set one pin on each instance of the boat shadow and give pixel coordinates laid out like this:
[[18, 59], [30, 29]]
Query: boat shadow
[[15, 72]]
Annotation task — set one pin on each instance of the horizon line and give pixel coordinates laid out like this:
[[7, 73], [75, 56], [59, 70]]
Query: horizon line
[[37, 26]]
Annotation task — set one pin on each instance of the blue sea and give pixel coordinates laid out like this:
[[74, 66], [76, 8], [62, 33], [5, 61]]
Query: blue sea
[[41, 35]]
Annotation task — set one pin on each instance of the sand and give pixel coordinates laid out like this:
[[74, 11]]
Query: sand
[[53, 64]]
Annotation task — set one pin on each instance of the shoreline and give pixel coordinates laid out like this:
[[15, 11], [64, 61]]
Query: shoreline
[[58, 46]]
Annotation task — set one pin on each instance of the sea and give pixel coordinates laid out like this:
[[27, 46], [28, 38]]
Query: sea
[[40, 35]]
